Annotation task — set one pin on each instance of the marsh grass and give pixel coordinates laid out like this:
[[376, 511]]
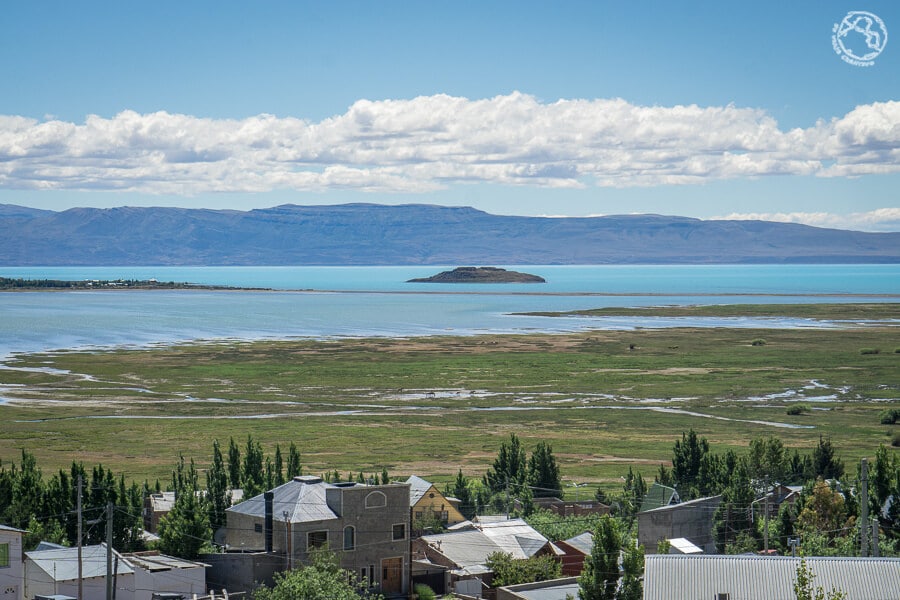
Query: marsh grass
[[423, 400]]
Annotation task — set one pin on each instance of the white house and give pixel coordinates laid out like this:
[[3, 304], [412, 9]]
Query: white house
[[137, 576], [12, 570]]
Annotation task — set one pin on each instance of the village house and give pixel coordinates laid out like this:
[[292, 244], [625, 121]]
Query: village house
[[426, 502], [136, 576], [574, 551], [12, 569], [367, 526], [464, 553], [158, 504], [659, 495], [692, 520]]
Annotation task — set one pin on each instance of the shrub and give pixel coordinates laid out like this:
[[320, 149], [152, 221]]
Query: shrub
[[758, 342], [798, 409], [895, 441], [424, 592], [869, 350], [890, 416]]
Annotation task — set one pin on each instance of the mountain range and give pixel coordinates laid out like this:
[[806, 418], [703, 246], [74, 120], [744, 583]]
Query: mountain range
[[412, 234]]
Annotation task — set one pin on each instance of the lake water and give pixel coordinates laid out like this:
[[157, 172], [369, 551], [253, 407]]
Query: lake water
[[376, 301]]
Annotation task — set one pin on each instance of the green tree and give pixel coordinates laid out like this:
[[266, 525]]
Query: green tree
[[185, 530], [600, 578], [543, 472], [278, 467], [234, 466], [687, 457], [508, 470], [825, 464], [218, 494], [510, 571], [293, 464], [733, 517], [321, 580], [253, 471], [632, 587], [462, 492]]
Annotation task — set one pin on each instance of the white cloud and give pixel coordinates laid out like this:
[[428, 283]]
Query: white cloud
[[882, 219], [432, 142]]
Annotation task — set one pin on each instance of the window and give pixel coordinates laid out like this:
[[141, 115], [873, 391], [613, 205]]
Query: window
[[419, 515], [349, 537], [4, 555], [721, 596], [445, 516], [376, 500], [399, 531], [371, 574], [316, 539], [257, 527]]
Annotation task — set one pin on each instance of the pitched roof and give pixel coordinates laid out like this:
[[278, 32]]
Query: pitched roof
[[583, 542], [514, 536], [11, 529], [463, 548], [418, 487], [658, 495], [303, 498], [62, 565], [772, 577], [686, 505]]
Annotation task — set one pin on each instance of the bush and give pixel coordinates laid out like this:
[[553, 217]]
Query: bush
[[424, 592], [895, 441], [798, 409], [890, 416], [869, 351], [758, 342]]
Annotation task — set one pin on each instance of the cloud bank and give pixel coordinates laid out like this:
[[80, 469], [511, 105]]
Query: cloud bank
[[882, 219], [433, 142]]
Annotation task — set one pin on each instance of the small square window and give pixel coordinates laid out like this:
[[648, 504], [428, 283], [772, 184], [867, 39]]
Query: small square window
[[399, 531], [257, 527], [316, 539], [4, 555]]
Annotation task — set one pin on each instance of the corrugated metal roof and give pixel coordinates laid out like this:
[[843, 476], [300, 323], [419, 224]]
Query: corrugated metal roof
[[417, 488], [464, 548], [514, 536], [11, 529], [670, 577], [62, 565], [154, 561]]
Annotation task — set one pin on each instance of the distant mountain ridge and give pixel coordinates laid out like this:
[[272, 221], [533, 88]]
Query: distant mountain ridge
[[412, 234]]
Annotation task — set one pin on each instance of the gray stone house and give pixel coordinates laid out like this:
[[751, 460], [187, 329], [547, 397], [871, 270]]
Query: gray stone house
[[366, 526]]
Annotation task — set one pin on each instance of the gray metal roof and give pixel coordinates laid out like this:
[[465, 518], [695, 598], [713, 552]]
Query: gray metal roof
[[11, 529], [418, 487], [514, 536], [154, 561], [668, 577], [584, 542], [464, 548], [62, 565], [302, 498]]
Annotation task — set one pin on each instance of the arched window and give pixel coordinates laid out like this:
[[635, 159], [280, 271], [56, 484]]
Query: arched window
[[376, 500], [349, 537]]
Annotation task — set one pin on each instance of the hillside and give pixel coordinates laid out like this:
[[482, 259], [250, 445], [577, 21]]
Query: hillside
[[368, 234]]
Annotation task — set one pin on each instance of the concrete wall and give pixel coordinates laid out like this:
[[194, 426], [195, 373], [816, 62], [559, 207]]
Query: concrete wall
[[240, 572], [692, 520]]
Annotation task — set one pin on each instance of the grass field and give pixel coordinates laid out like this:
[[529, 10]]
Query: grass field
[[604, 399]]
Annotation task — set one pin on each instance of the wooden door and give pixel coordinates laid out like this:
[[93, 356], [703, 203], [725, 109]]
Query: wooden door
[[392, 575]]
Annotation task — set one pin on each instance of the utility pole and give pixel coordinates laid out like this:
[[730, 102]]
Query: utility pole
[[80, 566], [864, 510], [874, 537], [109, 551]]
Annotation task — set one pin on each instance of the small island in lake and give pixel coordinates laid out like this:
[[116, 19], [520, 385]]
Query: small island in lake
[[480, 275]]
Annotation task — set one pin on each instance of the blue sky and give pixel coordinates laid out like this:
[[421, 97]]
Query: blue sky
[[702, 109]]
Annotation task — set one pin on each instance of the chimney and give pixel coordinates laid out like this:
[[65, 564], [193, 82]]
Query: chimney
[[269, 500]]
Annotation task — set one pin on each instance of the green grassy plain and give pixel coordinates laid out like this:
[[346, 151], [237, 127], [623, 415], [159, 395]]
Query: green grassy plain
[[432, 405]]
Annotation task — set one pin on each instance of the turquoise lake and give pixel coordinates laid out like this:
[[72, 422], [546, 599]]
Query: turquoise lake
[[376, 301]]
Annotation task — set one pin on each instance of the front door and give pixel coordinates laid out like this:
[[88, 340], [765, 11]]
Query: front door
[[392, 575]]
